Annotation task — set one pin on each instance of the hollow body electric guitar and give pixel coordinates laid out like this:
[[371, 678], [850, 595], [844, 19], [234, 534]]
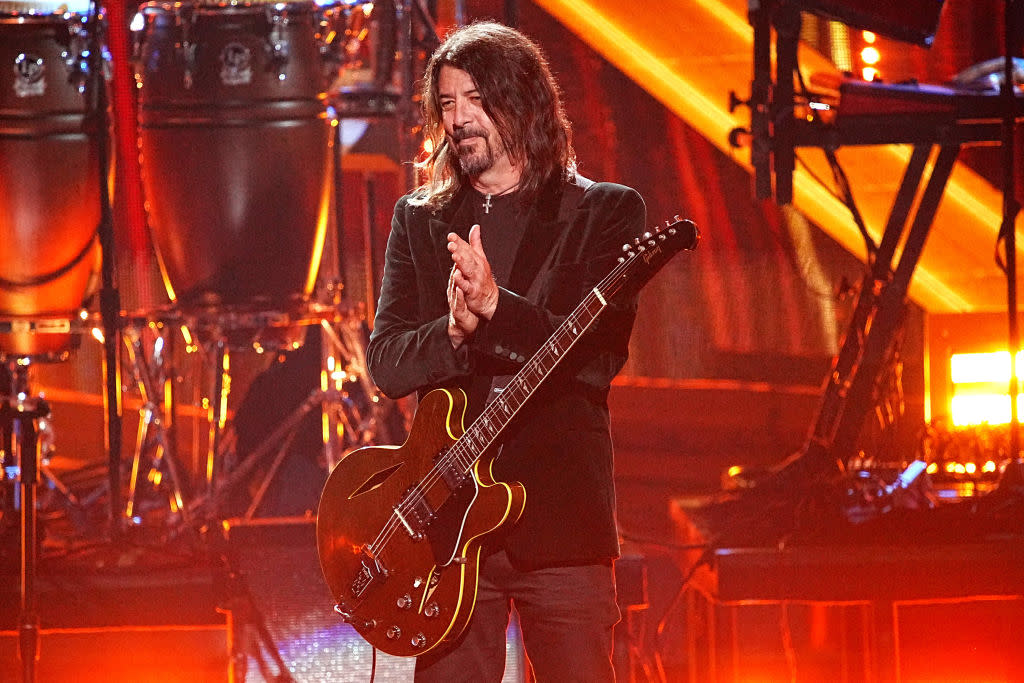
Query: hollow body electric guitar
[[399, 527]]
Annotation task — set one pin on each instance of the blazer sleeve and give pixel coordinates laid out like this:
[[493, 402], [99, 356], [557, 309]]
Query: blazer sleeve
[[409, 347], [610, 216]]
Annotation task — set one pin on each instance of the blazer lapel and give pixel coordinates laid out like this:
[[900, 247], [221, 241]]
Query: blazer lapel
[[456, 219], [538, 248]]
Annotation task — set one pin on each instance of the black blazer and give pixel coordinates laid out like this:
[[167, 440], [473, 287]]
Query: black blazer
[[559, 446]]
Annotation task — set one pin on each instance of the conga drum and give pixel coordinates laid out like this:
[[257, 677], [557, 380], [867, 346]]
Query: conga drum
[[236, 149], [49, 177]]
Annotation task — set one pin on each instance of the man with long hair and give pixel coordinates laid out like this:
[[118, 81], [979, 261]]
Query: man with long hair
[[486, 258]]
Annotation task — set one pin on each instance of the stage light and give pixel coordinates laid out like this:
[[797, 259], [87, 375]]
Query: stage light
[[913, 21], [870, 55], [966, 368], [869, 73]]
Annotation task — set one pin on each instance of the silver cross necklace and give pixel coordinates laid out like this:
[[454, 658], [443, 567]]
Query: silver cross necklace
[[487, 199]]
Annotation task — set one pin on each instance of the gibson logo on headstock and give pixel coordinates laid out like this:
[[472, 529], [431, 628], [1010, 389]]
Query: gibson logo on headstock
[[649, 254]]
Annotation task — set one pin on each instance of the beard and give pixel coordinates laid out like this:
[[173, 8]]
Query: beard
[[475, 159]]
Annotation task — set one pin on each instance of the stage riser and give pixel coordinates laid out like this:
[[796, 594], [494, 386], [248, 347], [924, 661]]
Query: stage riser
[[936, 641], [123, 655]]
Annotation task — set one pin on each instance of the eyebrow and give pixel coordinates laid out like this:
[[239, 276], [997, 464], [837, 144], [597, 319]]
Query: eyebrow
[[471, 91]]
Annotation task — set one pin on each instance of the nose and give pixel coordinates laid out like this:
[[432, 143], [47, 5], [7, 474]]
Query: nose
[[461, 114]]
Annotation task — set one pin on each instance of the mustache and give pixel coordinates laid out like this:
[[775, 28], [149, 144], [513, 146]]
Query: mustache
[[461, 134]]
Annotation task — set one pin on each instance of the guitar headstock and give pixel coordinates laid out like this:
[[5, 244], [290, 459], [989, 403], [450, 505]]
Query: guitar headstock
[[678, 234], [647, 253]]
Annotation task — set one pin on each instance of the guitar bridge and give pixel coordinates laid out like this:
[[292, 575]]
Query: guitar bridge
[[370, 571]]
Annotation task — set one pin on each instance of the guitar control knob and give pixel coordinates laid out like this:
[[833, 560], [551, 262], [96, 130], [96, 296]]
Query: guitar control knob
[[419, 640], [432, 610], [404, 602], [393, 632], [417, 582]]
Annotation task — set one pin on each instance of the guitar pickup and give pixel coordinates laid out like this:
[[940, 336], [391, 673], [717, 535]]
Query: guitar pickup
[[370, 571]]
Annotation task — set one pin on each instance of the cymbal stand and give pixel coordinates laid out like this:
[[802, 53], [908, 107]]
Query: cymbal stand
[[19, 416], [155, 451]]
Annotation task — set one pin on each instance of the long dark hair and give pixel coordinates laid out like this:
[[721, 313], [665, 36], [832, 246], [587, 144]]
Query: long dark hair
[[520, 96]]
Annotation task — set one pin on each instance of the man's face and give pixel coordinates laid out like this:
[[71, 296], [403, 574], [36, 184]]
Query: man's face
[[470, 130]]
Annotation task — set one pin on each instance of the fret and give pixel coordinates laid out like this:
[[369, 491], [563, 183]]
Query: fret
[[542, 366], [471, 436], [465, 460]]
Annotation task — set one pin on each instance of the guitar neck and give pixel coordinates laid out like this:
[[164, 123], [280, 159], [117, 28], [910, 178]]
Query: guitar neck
[[499, 412], [637, 266]]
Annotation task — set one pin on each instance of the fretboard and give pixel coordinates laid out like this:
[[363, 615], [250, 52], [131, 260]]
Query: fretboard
[[499, 412]]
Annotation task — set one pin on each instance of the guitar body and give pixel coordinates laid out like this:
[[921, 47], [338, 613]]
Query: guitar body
[[399, 538]]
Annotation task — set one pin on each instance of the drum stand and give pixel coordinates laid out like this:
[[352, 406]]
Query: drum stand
[[348, 422], [150, 349], [19, 416], [155, 450]]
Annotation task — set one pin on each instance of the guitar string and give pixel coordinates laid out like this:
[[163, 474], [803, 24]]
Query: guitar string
[[436, 472]]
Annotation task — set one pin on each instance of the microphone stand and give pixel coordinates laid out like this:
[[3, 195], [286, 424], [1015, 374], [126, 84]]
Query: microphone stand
[[18, 421], [110, 299], [1013, 474]]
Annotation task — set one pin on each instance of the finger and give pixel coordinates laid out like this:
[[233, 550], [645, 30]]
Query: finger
[[475, 241], [454, 241], [459, 279]]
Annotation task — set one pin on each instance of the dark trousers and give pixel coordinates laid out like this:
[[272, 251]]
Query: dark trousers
[[566, 615]]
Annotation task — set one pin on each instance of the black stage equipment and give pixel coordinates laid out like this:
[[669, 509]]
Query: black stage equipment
[[926, 117]]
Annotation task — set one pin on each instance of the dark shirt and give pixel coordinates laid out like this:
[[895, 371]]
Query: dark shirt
[[500, 218]]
